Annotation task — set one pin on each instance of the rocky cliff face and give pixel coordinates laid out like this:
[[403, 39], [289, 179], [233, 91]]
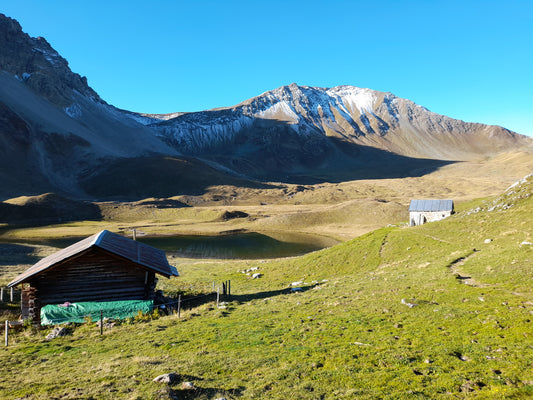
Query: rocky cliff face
[[34, 62]]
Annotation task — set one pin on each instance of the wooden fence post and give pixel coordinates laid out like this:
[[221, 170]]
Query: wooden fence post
[[179, 306], [218, 295], [101, 322], [7, 332], [2, 294], [229, 288], [11, 295]]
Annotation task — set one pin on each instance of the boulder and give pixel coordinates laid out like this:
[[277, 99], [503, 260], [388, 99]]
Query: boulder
[[188, 386], [57, 331], [167, 378]]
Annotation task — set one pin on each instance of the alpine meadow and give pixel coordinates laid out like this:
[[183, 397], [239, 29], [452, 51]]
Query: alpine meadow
[[260, 251]]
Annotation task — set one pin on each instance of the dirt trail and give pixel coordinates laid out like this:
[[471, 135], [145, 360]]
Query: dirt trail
[[460, 275]]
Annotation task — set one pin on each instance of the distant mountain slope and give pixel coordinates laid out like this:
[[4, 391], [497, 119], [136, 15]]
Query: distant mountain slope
[[311, 124], [57, 134]]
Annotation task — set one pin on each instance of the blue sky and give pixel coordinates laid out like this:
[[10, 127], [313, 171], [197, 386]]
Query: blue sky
[[471, 60]]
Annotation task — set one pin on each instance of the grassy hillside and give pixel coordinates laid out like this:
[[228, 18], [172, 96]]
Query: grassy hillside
[[45, 209], [436, 311]]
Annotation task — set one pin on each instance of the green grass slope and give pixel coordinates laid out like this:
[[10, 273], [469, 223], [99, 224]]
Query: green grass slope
[[431, 312]]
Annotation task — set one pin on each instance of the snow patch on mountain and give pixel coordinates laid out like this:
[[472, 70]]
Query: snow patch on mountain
[[24, 78], [51, 56], [141, 119], [361, 99], [280, 110], [73, 111]]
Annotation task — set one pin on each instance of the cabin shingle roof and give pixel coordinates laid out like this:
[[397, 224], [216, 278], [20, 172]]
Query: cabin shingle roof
[[139, 253], [431, 205]]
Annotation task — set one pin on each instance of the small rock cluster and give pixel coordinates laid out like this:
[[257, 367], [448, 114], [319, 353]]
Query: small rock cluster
[[169, 378], [519, 190], [408, 304], [57, 332], [108, 323], [173, 378], [248, 272]]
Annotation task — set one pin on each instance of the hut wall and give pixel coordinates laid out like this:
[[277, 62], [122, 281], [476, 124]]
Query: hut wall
[[94, 276], [421, 217]]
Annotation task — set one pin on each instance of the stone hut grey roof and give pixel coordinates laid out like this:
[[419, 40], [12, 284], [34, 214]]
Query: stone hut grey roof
[[139, 253], [431, 205]]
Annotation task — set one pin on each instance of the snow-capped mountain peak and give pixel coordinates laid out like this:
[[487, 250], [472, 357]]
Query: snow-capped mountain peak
[[352, 114]]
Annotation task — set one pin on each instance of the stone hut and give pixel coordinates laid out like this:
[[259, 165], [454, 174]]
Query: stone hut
[[422, 211]]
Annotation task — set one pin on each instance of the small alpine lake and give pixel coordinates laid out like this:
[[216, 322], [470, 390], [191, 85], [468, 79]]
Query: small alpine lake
[[227, 245], [240, 245]]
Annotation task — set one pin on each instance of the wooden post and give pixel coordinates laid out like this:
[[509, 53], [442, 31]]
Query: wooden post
[[179, 306], [101, 322], [7, 332], [213, 287], [229, 288], [2, 294], [134, 234], [11, 295], [218, 295]]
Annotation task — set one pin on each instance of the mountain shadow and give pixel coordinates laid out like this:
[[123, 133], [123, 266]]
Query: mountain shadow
[[158, 176], [365, 162], [275, 151], [46, 209]]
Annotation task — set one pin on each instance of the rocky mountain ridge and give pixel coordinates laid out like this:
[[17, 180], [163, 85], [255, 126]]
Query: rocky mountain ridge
[[360, 116]]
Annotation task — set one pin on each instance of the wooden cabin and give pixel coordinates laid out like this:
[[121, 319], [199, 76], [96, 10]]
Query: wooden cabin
[[422, 211], [105, 267]]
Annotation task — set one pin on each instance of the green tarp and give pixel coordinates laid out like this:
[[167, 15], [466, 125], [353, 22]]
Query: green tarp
[[53, 314]]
